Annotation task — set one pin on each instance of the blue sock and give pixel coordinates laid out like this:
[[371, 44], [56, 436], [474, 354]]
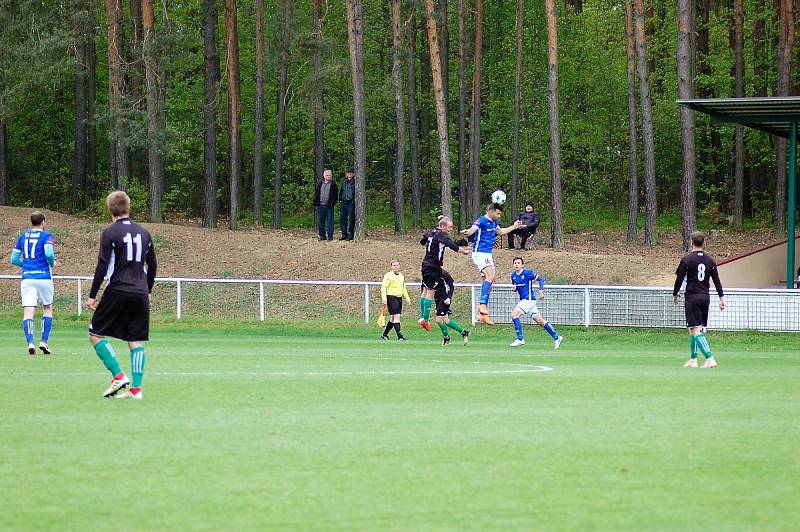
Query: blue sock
[[486, 289], [549, 328], [47, 324], [518, 328], [27, 328]]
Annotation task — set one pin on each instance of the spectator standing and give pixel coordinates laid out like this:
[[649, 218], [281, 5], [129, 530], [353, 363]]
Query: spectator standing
[[347, 205], [325, 198], [530, 221]]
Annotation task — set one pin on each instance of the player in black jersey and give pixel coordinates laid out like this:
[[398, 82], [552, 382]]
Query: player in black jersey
[[435, 241], [128, 260], [698, 269]]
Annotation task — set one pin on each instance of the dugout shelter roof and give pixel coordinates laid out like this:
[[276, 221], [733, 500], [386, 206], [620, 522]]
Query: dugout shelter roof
[[772, 115]]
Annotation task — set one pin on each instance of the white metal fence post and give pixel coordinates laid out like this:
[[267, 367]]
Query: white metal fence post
[[472, 303], [178, 301], [261, 301], [587, 308], [80, 303], [366, 303]]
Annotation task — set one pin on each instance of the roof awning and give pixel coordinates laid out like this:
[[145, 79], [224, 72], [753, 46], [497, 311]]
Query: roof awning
[[771, 115]]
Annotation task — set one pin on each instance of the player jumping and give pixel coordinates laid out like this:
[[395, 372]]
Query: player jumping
[[487, 229], [435, 241], [697, 268], [523, 281], [35, 254], [444, 298]]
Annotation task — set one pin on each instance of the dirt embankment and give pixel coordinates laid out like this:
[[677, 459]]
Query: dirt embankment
[[187, 251]]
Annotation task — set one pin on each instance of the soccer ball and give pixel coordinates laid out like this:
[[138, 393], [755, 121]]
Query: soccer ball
[[499, 197]]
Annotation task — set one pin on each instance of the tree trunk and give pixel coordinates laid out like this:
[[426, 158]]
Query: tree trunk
[[355, 27], [686, 91], [785, 48], [3, 152], [319, 97], [556, 231], [286, 7], [210, 80], [475, 117], [134, 68], [258, 141], [234, 127], [738, 198], [462, 114], [116, 95], [651, 208], [441, 110], [79, 137], [633, 135], [517, 107], [413, 140], [91, 92], [400, 118], [154, 166], [425, 164], [444, 48]]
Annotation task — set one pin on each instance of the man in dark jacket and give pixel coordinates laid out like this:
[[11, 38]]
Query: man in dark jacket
[[530, 221], [325, 198], [347, 205]]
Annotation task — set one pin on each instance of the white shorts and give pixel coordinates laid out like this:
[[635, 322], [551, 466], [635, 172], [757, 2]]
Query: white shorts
[[528, 306], [482, 260], [35, 290]]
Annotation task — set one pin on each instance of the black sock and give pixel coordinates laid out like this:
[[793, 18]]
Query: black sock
[[388, 328], [397, 329]]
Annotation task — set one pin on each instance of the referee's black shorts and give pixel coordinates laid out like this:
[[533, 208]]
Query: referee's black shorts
[[696, 307], [394, 305], [122, 315], [431, 276]]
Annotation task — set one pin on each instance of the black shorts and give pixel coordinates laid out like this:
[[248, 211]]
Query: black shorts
[[442, 308], [431, 276], [394, 305], [122, 315], [696, 307]]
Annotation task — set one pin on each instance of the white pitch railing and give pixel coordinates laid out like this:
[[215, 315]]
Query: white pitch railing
[[621, 306]]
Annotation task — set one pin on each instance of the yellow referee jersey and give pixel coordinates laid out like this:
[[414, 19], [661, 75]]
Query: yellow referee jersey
[[394, 284]]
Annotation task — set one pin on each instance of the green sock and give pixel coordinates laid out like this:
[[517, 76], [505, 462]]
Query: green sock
[[443, 327], [427, 308], [106, 354], [137, 366], [693, 346], [702, 343], [423, 308], [453, 324]]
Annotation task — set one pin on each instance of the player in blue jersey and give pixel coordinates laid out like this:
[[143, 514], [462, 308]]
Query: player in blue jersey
[[486, 229], [524, 282], [35, 254]]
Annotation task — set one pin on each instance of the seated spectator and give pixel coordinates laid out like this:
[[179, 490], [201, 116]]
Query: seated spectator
[[530, 221]]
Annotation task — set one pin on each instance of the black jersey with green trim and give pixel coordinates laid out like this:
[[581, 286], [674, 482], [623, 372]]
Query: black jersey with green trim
[[435, 242], [698, 268]]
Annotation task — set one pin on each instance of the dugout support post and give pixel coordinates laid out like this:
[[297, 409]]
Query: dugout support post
[[792, 177]]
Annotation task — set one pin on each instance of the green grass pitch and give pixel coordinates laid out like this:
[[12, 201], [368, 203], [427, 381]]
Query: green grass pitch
[[292, 426]]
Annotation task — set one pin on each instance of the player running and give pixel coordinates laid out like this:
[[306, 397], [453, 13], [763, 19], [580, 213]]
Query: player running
[[444, 298], [127, 258], [487, 229], [35, 254], [435, 241], [697, 268], [523, 281]]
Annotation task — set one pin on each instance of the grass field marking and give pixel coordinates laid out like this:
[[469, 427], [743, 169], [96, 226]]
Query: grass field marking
[[524, 369]]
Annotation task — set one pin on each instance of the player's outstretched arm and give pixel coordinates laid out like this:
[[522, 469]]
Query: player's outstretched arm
[[505, 230], [469, 231]]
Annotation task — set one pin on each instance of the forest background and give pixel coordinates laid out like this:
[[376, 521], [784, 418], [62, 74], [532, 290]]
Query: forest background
[[226, 112]]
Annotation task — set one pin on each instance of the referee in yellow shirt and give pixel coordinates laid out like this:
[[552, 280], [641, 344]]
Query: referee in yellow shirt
[[393, 291]]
